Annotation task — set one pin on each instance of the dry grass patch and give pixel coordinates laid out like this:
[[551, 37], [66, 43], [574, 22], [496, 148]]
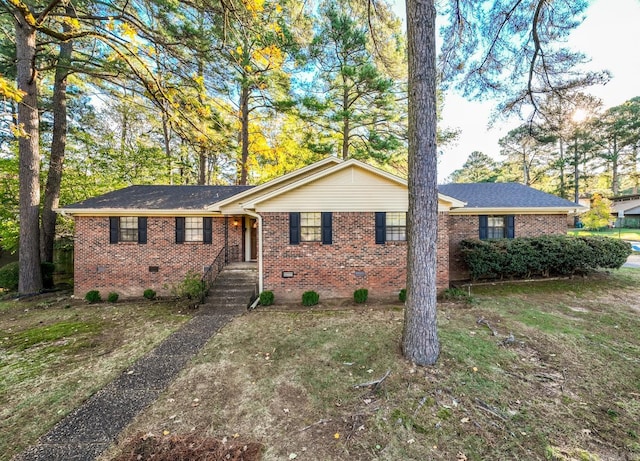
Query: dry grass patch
[[55, 352], [566, 386]]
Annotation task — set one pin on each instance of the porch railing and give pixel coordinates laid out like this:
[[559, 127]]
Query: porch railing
[[225, 256]]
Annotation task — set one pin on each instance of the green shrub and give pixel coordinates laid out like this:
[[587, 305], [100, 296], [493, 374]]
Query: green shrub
[[9, 276], [113, 297], [267, 298], [191, 287], [93, 296], [310, 298], [457, 294], [360, 296], [149, 294], [402, 296], [542, 256], [47, 274]]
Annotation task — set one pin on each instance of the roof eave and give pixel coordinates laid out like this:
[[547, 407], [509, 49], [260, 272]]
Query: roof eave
[[131, 212], [517, 210]]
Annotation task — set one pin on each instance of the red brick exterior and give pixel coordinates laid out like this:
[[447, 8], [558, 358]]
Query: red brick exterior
[[526, 225], [124, 268], [352, 261]]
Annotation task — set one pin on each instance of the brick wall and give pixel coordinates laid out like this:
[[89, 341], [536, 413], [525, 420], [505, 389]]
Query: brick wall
[[466, 226], [124, 267], [352, 261]]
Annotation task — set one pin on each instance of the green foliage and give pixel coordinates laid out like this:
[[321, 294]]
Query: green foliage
[[360, 296], [479, 167], [542, 256], [457, 294], [9, 276], [599, 215], [149, 294], [191, 287], [402, 296], [113, 297], [310, 298], [266, 298], [93, 296]]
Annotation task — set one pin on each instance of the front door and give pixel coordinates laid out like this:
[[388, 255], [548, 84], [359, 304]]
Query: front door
[[253, 232]]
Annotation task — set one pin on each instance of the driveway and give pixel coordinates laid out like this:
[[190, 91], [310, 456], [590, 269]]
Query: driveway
[[633, 261]]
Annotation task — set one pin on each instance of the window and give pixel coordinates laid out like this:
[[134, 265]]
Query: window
[[193, 229], [497, 227], [128, 229], [311, 227], [391, 227], [396, 227]]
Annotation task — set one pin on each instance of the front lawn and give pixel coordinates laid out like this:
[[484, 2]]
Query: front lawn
[[560, 381], [624, 234], [56, 351]]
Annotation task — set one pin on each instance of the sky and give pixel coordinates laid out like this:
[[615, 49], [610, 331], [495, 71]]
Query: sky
[[610, 36]]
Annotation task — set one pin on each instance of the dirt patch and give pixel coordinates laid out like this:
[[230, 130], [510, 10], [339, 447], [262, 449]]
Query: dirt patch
[[188, 447]]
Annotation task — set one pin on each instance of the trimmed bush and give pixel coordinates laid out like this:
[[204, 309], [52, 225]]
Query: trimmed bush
[[113, 297], [542, 256], [267, 298], [360, 296], [191, 287], [9, 276], [149, 294], [402, 296], [93, 296], [310, 298]]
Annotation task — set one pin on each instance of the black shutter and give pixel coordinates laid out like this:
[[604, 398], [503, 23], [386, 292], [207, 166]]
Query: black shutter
[[327, 228], [510, 222], [142, 229], [114, 224], [381, 227], [483, 232], [179, 230], [294, 228], [207, 230]]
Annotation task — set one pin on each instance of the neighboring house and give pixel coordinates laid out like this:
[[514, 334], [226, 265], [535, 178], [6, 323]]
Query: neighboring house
[[333, 227], [627, 208]]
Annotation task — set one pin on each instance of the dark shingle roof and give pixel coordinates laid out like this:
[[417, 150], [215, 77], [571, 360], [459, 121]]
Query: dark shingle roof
[[160, 198], [503, 195]]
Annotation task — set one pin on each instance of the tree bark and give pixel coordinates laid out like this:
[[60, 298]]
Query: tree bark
[[58, 146], [420, 336], [29, 155], [345, 123], [244, 134]]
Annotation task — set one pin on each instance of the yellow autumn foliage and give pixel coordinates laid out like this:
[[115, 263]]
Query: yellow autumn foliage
[[9, 91], [254, 6]]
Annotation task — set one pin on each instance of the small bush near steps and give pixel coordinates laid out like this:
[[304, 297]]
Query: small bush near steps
[[149, 294], [266, 298], [310, 298], [93, 296], [360, 296]]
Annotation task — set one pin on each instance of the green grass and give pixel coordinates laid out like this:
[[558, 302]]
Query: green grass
[[624, 234], [55, 352], [566, 388]]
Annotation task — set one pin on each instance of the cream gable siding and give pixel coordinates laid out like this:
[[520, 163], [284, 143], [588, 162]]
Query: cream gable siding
[[347, 190], [234, 207]]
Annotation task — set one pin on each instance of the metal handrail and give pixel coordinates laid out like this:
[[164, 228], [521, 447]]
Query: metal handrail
[[212, 272]]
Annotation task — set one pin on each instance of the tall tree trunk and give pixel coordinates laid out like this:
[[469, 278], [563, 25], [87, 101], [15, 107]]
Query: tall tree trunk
[[615, 186], [202, 165], [420, 335], [345, 123], [244, 133], [563, 191], [58, 146], [29, 154]]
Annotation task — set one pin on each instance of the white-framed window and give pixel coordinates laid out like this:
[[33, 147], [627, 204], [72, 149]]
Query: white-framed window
[[311, 227], [396, 226], [496, 227], [128, 229], [193, 229]]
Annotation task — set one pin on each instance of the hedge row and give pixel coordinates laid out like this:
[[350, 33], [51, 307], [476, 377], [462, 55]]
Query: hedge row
[[542, 256]]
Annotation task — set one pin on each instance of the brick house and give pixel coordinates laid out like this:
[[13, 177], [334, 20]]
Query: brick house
[[333, 227]]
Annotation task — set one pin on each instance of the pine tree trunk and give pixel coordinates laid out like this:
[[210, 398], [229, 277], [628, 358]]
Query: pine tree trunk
[[58, 146], [420, 336], [244, 134], [29, 252], [345, 123]]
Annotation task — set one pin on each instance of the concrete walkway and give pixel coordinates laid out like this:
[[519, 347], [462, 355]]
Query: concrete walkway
[[90, 429], [633, 261]]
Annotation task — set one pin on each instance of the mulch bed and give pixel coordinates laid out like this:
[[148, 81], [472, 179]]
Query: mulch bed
[[187, 448]]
